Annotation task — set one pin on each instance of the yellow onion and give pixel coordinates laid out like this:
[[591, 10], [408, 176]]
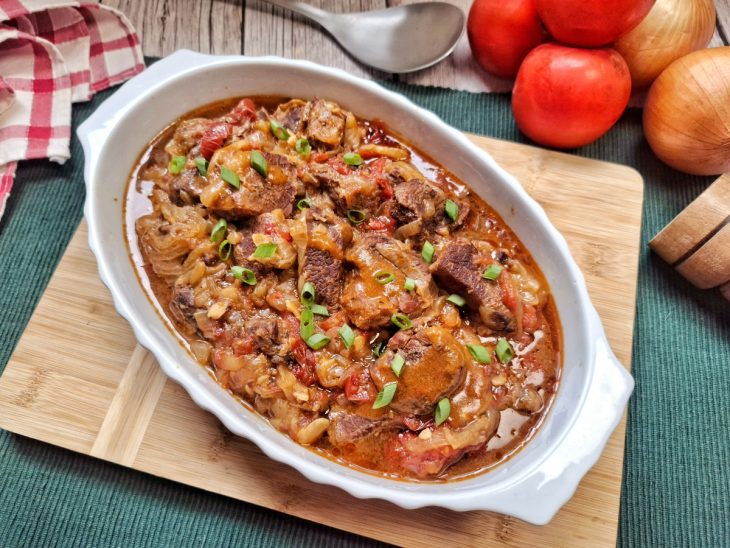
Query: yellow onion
[[687, 113], [672, 29]]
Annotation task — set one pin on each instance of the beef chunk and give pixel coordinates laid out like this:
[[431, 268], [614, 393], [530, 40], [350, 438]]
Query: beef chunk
[[326, 123], [456, 271], [416, 200], [187, 134], [349, 191], [182, 307], [292, 115], [324, 272], [434, 368], [351, 423], [257, 194], [263, 327]]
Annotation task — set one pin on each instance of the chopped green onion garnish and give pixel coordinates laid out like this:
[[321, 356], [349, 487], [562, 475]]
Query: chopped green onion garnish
[[378, 348], [397, 364], [308, 293], [306, 323], [318, 341], [258, 162], [225, 249], [385, 396], [443, 410], [401, 321], [304, 203], [356, 216], [202, 165], [246, 275], [479, 353], [219, 231], [383, 277], [230, 177], [427, 252], [451, 209], [458, 300], [492, 272], [320, 310], [347, 335], [279, 131], [264, 251], [504, 350], [409, 284], [176, 164], [352, 159], [302, 146]]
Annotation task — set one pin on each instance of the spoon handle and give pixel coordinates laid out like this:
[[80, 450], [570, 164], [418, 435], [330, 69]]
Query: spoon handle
[[302, 8]]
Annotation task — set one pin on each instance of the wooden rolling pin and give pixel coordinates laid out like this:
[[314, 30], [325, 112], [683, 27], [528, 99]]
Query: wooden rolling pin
[[697, 241]]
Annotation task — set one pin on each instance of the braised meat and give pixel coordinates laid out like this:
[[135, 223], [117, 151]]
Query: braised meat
[[350, 290]]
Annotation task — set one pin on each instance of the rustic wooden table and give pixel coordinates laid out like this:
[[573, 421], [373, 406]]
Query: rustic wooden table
[[253, 27]]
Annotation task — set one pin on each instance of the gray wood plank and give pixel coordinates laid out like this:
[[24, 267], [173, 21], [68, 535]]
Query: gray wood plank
[[269, 30], [208, 26]]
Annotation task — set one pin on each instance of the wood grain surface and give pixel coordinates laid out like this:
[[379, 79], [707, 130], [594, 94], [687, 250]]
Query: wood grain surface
[[253, 27], [79, 380]]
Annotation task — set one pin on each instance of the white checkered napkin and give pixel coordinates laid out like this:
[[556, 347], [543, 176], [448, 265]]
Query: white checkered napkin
[[53, 52]]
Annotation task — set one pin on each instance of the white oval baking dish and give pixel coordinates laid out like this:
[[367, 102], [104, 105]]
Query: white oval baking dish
[[594, 389]]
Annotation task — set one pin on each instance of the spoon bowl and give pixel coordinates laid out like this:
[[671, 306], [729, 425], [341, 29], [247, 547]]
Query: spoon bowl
[[399, 39]]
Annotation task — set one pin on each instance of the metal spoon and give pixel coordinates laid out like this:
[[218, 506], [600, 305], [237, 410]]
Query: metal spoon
[[399, 39]]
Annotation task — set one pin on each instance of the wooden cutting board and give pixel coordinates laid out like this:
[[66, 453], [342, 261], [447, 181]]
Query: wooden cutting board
[[79, 380]]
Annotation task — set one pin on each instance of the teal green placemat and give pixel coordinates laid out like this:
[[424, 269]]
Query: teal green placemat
[[676, 477]]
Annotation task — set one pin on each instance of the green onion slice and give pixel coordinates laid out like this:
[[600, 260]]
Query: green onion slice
[[451, 209], [458, 300], [492, 272], [303, 147], [347, 335], [385, 396], [383, 277], [443, 410], [397, 364], [401, 321], [318, 341], [427, 251], [308, 293], [176, 164], [219, 231], [409, 284], [504, 350], [279, 131], [230, 177], [304, 203], [265, 251], [356, 216], [479, 353], [258, 162], [320, 310], [202, 165], [225, 249], [352, 159], [378, 348], [246, 275], [306, 323]]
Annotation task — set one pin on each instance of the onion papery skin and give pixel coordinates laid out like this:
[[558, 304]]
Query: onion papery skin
[[672, 29], [687, 113]]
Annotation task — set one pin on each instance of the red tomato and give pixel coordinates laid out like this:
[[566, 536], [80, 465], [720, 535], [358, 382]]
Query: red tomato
[[502, 32], [383, 223], [213, 138], [567, 97], [591, 23], [359, 387]]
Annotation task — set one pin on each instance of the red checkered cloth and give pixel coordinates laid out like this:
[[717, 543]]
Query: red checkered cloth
[[53, 52]]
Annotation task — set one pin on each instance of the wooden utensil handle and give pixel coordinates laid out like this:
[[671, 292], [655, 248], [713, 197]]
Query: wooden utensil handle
[[697, 241]]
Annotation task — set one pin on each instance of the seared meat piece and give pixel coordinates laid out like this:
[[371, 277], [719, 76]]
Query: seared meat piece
[[350, 191], [434, 368], [187, 134], [264, 329], [325, 123], [257, 194], [456, 271], [416, 200], [428, 456], [292, 115], [185, 188], [369, 303], [268, 228], [182, 307], [351, 423]]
